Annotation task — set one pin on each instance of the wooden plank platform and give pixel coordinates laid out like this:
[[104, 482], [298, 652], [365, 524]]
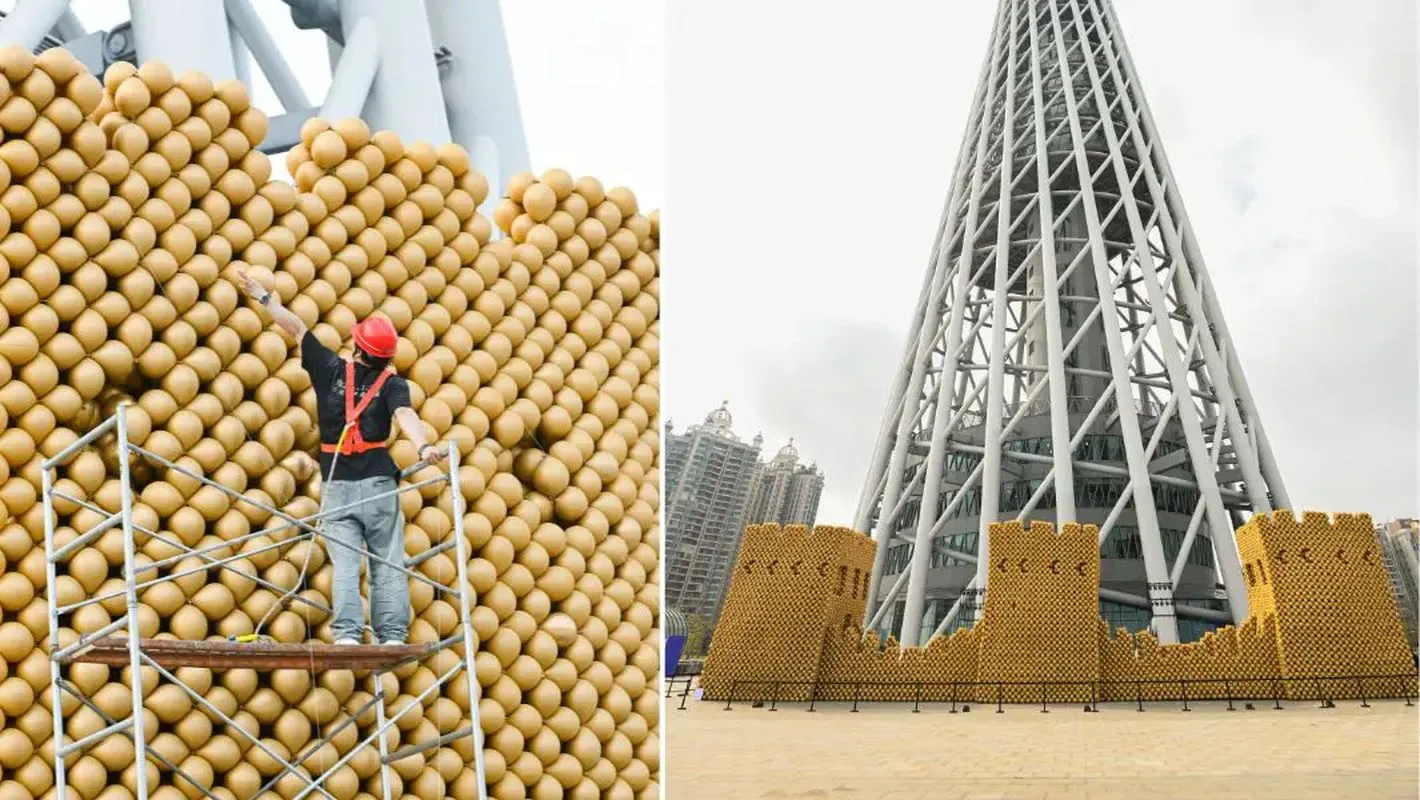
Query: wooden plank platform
[[170, 653]]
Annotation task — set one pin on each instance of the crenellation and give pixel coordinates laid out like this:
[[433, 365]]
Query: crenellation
[[1319, 605]]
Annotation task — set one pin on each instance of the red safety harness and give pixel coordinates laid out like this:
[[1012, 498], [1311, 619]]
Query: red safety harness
[[351, 442]]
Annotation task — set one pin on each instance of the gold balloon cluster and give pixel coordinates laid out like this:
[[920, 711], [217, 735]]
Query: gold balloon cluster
[[782, 575], [126, 206], [1040, 620], [1319, 597]]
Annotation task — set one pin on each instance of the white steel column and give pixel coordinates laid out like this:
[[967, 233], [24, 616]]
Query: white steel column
[[68, 26], [478, 88], [241, 57], [185, 35], [1220, 526], [30, 21], [405, 97], [996, 377], [928, 512], [873, 486], [1064, 473], [1212, 311], [1151, 543], [354, 73], [1156, 569], [267, 54]]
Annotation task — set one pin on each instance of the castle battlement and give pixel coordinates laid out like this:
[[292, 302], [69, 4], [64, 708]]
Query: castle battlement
[[1318, 593]]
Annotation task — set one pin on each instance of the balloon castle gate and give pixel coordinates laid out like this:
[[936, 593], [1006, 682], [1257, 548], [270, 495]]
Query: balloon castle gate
[[1322, 623]]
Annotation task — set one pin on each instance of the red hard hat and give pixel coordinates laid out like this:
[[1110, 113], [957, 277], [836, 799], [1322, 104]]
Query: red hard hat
[[377, 337]]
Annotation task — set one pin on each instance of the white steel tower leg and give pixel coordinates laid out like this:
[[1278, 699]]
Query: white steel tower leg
[[185, 35], [875, 483], [405, 97], [1229, 563], [68, 25], [1188, 246], [257, 38], [946, 384], [1064, 471], [995, 387], [1151, 541], [354, 73], [479, 91]]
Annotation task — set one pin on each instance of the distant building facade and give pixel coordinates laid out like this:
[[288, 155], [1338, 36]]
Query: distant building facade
[[1400, 546], [709, 476], [785, 491]]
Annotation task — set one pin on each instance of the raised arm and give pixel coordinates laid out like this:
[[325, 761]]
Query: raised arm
[[410, 425], [282, 316]]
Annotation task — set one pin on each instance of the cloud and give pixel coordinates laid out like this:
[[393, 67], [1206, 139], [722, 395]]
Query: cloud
[[821, 391]]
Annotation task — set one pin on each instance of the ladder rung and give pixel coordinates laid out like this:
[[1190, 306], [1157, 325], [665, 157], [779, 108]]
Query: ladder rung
[[428, 554], [121, 725], [406, 752], [93, 533], [88, 641]]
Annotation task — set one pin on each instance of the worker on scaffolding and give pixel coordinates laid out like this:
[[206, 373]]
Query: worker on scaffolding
[[357, 402]]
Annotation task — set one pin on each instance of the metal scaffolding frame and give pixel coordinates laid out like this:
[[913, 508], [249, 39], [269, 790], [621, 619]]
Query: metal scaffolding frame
[[131, 650], [1064, 208]]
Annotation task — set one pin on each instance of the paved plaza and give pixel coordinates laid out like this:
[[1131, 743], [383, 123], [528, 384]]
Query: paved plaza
[[886, 751]]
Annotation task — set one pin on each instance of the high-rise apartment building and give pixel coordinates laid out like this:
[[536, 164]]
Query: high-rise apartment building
[[785, 491], [1400, 549], [709, 474]]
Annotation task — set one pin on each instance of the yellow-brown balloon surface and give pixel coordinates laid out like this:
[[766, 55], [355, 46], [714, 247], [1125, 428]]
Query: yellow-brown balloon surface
[[127, 203]]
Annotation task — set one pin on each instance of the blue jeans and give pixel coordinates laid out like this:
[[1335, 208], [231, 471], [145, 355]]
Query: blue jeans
[[377, 526]]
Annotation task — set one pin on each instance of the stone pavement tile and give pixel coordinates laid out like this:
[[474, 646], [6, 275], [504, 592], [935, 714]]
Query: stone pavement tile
[[887, 751]]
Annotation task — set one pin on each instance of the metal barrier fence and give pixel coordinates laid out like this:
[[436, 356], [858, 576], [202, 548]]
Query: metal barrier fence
[[1325, 689]]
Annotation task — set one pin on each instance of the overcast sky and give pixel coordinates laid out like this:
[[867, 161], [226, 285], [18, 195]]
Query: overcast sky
[[809, 157], [590, 80]]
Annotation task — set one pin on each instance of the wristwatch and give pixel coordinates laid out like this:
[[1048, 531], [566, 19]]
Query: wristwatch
[[264, 299], [423, 448]]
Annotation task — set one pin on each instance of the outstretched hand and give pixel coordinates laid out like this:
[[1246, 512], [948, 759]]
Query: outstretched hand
[[249, 286]]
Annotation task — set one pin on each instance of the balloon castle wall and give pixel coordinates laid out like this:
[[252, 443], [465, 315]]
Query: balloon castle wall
[[125, 206], [1320, 606], [785, 574]]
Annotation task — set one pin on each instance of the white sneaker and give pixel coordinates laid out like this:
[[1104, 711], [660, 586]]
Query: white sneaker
[[392, 643], [346, 642]]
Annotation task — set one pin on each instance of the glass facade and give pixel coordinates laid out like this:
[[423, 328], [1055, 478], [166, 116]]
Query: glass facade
[[1091, 492], [1123, 542], [1134, 620]]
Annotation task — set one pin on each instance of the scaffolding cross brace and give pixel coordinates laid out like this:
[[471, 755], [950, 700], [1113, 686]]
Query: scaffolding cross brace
[[130, 649]]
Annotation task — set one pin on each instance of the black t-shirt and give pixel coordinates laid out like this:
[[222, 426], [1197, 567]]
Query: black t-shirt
[[327, 371]]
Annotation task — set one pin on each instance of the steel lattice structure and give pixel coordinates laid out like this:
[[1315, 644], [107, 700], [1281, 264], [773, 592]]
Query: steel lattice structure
[[1068, 352], [436, 70]]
